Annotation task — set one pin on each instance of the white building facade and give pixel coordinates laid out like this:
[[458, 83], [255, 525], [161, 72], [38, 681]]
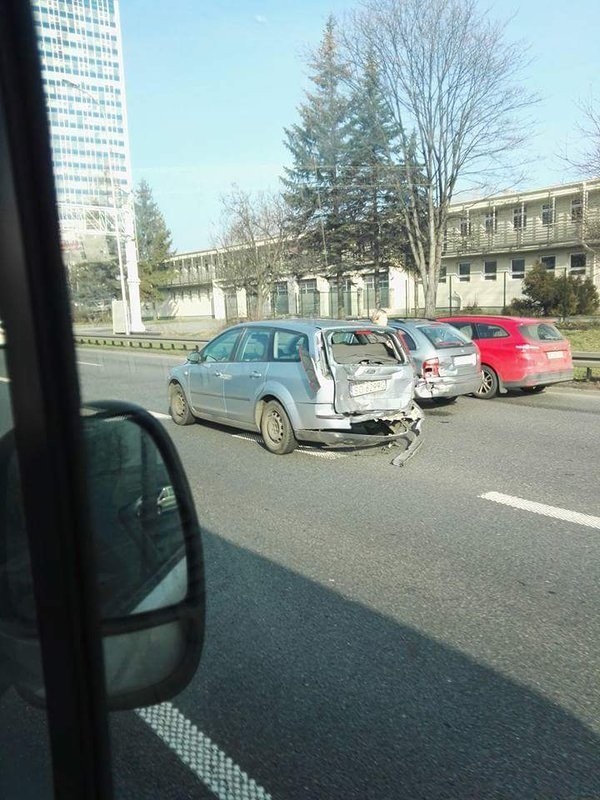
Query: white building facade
[[490, 245], [82, 69]]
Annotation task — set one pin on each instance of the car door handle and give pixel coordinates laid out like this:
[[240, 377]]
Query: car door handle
[[256, 374], [218, 374]]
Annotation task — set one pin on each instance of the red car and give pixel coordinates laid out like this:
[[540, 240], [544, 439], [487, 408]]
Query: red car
[[517, 352]]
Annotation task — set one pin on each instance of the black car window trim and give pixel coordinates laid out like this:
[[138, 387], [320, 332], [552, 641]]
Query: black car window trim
[[236, 346], [408, 337], [45, 398], [241, 343], [480, 330]]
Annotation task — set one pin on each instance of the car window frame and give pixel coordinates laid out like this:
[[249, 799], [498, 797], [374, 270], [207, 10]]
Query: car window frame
[[492, 338], [45, 399], [239, 331], [290, 332], [241, 343], [407, 338]]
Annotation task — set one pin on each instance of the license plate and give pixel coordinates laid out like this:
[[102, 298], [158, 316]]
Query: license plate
[[367, 387], [555, 354], [458, 360]]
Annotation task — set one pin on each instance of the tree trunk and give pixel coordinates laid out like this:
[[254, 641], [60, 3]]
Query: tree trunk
[[430, 292]]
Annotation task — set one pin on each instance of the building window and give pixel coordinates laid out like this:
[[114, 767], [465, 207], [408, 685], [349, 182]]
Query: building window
[[549, 262], [517, 268], [520, 217], [491, 221], [464, 272], [547, 214], [383, 283], [465, 226], [307, 286], [578, 263], [576, 209], [443, 274], [489, 270]]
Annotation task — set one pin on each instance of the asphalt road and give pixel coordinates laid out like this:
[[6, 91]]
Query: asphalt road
[[383, 632]]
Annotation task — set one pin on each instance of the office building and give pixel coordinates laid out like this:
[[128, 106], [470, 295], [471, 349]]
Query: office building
[[82, 68]]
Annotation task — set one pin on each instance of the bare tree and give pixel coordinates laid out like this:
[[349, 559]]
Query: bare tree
[[587, 161], [253, 244], [451, 80]]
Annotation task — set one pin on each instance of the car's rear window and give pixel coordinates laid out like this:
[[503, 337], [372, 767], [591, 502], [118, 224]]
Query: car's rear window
[[353, 347], [443, 335], [287, 344], [541, 332]]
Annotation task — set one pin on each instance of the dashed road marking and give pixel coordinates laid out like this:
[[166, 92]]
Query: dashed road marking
[[302, 449], [541, 508], [207, 761], [4, 380], [254, 437], [89, 364], [159, 415]]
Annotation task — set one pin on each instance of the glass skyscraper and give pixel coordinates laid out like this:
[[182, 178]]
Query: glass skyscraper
[[82, 68]]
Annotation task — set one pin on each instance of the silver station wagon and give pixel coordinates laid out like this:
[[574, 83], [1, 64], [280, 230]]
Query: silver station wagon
[[331, 383]]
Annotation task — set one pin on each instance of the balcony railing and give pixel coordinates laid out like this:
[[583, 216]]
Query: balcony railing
[[535, 234]]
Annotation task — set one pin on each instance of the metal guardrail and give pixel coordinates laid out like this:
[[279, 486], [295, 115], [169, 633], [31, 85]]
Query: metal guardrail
[[580, 359], [588, 360], [129, 342]]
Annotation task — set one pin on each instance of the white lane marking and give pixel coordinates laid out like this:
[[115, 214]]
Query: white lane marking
[[302, 449], [89, 364], [159, 415], [321, 454], [4, 380], [541, 508], [214, 768]]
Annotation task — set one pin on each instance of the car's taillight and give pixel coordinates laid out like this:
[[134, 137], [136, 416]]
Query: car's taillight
[[527, 347], [431, 368]]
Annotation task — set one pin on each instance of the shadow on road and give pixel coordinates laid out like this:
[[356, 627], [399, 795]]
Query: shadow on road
[[320, 697]]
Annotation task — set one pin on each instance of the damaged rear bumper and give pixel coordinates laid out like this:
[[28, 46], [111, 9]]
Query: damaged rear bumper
[[393, 430]]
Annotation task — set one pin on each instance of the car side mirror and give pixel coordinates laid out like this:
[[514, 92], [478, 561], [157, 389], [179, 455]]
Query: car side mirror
[[149, 564], [195, 357]]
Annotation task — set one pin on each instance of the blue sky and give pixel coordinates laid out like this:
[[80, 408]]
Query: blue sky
[[210, 87]]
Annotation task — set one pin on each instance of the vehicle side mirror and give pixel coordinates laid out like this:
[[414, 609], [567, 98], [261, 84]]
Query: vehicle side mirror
[[149, 565], [195, 357]]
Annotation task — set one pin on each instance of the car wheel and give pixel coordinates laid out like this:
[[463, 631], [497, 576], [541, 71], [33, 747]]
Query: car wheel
[[489, 383], [178, 406], [276, 429], [533, 389]]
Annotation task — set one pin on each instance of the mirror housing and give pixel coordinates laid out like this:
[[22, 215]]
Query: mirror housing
[[148, 562], [194, 357]]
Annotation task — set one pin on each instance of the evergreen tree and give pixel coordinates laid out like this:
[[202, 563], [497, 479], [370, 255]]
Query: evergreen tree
[[314, 184], [93, 284], [373, 178], [154, 244]]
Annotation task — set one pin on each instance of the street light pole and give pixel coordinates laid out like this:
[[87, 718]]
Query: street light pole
[[115, 209]]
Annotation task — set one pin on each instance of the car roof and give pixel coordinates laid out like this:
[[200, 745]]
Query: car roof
[[303, 325], [412, 321], [495, 318]]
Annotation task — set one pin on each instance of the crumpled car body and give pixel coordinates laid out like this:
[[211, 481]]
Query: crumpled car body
[[341, 384]]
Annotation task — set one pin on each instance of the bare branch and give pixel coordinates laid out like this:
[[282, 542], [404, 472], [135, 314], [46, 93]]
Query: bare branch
[[450, 77], [253, 241], [587, 160]]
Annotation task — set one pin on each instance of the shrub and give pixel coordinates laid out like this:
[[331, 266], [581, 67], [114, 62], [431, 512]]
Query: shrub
[[548, 295]]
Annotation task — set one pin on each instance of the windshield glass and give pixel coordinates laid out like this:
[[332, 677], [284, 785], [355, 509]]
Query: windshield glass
[[541, 332], [442, 335], [364, 346]]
